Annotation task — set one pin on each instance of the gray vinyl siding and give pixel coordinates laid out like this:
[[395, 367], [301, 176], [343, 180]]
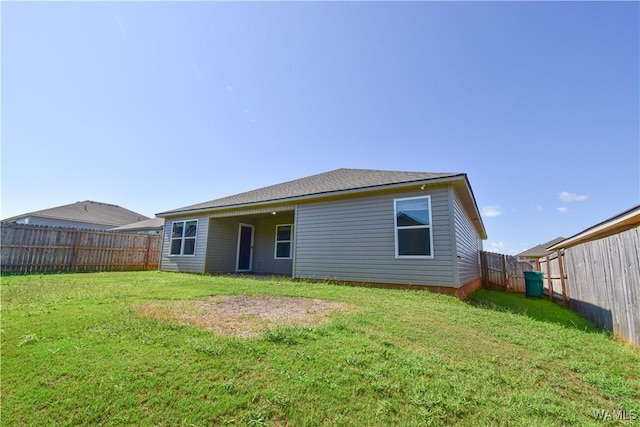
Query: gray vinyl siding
[[264, 260], [467, 244], [354, 240], [186, 263], [223, 244]]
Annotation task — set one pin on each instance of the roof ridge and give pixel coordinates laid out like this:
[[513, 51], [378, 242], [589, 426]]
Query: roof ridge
[[393, 171], [98, 203], [87, 211], [337, 180]]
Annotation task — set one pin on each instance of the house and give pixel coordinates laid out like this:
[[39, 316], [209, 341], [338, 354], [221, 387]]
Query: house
[[537, 252], [88, 215], [352, 225], [602, 265], [147, 226]]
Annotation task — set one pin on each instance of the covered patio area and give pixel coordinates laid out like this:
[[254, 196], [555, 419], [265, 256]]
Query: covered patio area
[[259, 243]]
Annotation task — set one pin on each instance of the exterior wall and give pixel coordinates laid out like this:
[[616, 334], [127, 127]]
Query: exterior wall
[[187, 263], [467, 244], [354, 240], [264, 260], [34, 220], [223, 244]]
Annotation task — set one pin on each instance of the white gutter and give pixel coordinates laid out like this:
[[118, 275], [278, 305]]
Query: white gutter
[[624, 221]]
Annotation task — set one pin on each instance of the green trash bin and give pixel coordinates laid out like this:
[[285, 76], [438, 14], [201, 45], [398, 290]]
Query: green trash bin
[[533, 283]]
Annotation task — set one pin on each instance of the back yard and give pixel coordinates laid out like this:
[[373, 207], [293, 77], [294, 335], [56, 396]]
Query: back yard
[[157, 348]]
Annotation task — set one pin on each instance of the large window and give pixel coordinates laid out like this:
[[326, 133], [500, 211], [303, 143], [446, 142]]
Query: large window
[[183, 237], [414, 238], [284, 237]]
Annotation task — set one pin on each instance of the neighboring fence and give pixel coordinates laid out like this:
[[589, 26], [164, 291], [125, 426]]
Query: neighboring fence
[[503, 272], [506, 273], [29, 248], [598, 279], [604, 282], [555, 277]]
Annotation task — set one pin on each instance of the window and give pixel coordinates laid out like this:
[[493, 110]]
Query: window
[[284, 236], [413, 227], [183, 237]]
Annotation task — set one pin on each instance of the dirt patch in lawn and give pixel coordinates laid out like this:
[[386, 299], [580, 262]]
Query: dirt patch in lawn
[[245, 316]]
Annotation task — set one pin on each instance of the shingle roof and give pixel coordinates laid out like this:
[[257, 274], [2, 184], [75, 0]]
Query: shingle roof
[[327, 182], [88, 212], [150, 223], [540, 250]]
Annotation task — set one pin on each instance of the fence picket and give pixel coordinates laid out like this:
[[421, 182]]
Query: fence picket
[[503, 272], [30, 248]]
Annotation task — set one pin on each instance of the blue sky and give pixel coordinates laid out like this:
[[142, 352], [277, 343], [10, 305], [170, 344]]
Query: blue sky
[[154, 106]]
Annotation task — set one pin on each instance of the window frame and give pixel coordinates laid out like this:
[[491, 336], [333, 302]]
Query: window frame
[[183, 238], [276, 241], [396, 228]]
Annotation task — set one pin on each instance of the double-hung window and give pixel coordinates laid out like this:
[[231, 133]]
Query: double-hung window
[[284, 237], [183, 237], [414, 237]]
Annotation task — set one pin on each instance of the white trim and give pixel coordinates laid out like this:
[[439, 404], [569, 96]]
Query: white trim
[[395, 228], [276, 241], [622, 222], [253, 234], [184, 228]]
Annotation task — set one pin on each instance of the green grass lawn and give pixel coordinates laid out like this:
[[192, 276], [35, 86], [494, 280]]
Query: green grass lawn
[[75, 351]]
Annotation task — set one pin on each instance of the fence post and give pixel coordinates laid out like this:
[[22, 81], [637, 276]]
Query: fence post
[[565, 299], [146, 258], [76, 249], [485, 269], [505, 273], [549, 279]]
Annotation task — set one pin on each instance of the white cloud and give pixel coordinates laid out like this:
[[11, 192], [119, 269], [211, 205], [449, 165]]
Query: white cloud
[[539, 208], [565, 196], [563, 210], [498, 245], [229, 88], [493, 210], [502, 248]]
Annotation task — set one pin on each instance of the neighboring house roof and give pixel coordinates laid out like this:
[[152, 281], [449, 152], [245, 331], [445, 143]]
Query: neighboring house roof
[[89, 212], [336, 182], [540, 250], [617, 224], [147, 224]]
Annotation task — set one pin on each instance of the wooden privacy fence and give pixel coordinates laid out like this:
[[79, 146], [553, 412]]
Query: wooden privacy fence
[[604, 282], [599, 279], [29, 248], [555, 278], [503, 272], [506, 273]]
